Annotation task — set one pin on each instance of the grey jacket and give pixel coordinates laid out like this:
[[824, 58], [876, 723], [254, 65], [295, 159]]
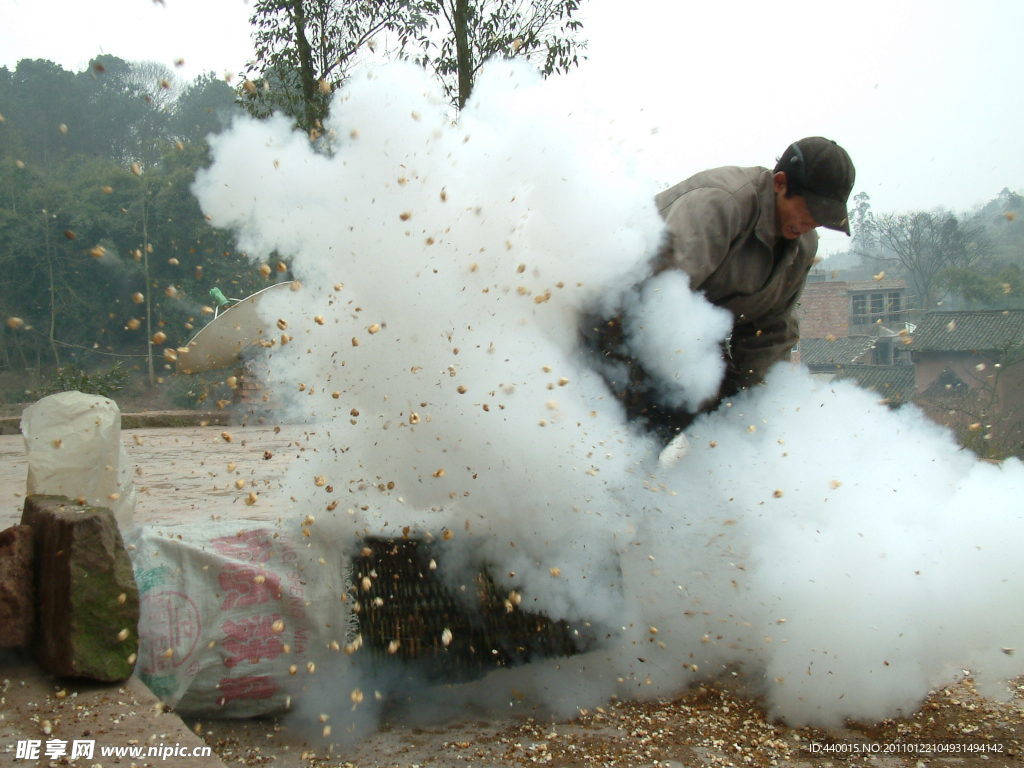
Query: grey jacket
[[722, 233]]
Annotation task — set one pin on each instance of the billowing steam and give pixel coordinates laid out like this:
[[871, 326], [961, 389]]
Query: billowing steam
[[842, 558]]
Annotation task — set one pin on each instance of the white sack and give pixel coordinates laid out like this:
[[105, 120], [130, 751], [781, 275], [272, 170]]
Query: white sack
[[74, 449], [236, 616]]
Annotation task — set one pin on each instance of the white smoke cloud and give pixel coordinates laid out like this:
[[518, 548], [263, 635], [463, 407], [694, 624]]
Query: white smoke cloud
[[842, 557], [847, 557], [676, 335]]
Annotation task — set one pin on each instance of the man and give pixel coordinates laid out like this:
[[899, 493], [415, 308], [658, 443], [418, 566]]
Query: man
[[746, 239]]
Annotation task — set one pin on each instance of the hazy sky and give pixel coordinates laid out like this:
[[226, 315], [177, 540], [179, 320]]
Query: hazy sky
[[924, 94]]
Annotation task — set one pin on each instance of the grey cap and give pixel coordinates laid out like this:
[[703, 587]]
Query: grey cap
[[822, 172]]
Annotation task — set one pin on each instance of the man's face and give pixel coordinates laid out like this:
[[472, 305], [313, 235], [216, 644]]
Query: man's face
[[792, 218]]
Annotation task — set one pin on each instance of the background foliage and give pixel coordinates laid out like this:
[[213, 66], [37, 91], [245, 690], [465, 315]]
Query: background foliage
[[102, 245]]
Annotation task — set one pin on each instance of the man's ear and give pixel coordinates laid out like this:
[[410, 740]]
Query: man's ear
[[780, 181]]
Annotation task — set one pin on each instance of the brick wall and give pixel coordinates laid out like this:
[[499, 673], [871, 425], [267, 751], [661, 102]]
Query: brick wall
[[824, 310]]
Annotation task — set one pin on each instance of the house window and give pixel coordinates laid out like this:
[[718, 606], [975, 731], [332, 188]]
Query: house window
[[893, 307], [877, 305], [870, 308], [859, 307]]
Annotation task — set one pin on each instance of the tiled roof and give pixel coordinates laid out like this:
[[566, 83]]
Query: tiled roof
[[894, 382], [834, 352], [975, 331]]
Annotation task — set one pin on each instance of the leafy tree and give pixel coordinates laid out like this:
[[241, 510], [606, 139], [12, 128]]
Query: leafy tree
[[924, 246], [304, 48], [994, 281], [985, 286], [205, 106], [861, 216], [1003, 221], [39, 96], [111, 109], [51, 247], [464, 34], [136, 95]]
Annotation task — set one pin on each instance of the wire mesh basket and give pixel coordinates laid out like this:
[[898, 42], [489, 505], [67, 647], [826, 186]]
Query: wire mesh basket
[[448, 632]]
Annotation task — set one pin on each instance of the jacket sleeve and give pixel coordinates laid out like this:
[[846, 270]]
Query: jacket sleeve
[[756, 346], [702, 224]]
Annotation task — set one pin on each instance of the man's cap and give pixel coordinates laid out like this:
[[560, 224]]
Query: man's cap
[[823, 174]]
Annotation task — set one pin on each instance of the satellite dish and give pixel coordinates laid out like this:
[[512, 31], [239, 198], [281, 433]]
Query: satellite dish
[[223, 341]]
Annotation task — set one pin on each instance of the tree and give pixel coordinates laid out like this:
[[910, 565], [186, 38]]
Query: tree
[[205, 106], [40, 97], [985, 285], [1003, 221], [861, 216], [305, 48], [111, 109], [924, 246], [132, 101], [54, 244], [467, 33]]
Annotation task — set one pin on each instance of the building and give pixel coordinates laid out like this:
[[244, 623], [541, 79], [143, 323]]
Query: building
[[841, 308], [853, 323], [965, 369], [969, 374]]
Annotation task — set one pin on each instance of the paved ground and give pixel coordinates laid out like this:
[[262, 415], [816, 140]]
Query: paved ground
[[182, 474], [187, 474], [82, 718]]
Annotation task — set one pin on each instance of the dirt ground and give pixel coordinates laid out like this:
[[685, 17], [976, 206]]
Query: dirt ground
[[707, 726], [189, 474]]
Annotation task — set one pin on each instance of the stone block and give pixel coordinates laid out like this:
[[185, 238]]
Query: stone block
[[88, 602], [17, 590]]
